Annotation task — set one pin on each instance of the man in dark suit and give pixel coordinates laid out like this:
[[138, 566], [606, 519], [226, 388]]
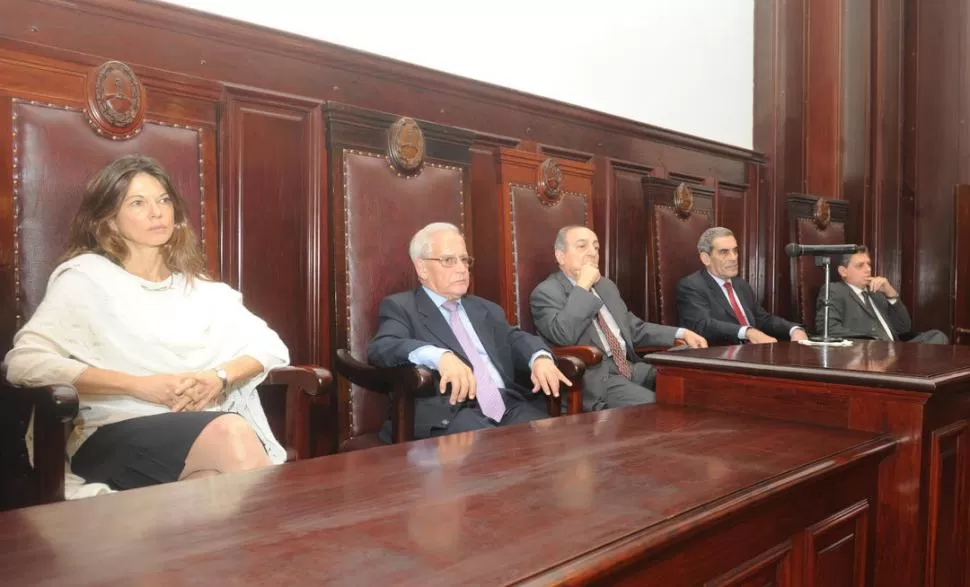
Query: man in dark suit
[[719, 305], [866, 306], [465, 339], [576, 305]]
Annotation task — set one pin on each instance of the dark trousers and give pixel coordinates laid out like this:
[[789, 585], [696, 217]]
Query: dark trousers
[[518, 409], [931, 337]]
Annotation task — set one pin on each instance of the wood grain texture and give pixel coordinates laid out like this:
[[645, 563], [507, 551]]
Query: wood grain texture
[[648, 495], [917, 394]]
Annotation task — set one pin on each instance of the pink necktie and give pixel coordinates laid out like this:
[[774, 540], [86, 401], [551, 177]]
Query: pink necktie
[[489, 397]]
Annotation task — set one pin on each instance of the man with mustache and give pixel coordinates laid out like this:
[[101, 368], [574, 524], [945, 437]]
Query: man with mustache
[[576, 305], [465, 340], [864, 305], [719, 305]]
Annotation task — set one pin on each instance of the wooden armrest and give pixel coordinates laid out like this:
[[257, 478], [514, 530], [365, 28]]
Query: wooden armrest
[[406, 378], [310, 379], [56, 403], [573, 368], [400, 382], [589, 355], [646, 350], [55, 407]]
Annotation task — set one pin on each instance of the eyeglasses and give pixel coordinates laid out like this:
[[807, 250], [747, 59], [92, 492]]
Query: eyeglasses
[[450, 261]]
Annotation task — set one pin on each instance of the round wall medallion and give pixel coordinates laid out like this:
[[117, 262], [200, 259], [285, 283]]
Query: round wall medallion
[[550, 179], [683, 200], [823, 213], [116, 104], [405, 145]]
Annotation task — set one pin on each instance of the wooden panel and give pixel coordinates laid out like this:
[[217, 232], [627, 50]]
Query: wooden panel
[[626, 251], [948, 495], [937, 153], [771, 569], [836, 549], [731, 211], [960, 297], [272, 230], [823, 147], [854, 121], [487, 215], [917, 393]]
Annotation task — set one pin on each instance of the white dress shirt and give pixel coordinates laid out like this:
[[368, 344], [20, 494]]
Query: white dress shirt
[[743, 331], [611, 323]]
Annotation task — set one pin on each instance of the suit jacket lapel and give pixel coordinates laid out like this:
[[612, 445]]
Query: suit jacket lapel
[[611, 304], [478, 316], [718, 295], [437, 325], [855, 298], [567, 286]]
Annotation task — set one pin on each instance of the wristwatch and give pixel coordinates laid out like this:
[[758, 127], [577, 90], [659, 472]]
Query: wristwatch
[[224, 377]]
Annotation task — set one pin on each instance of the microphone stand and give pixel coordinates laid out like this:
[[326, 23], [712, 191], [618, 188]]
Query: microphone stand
[[825, 262]]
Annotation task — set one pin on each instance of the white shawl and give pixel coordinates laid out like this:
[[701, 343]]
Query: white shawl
[[97, 314]]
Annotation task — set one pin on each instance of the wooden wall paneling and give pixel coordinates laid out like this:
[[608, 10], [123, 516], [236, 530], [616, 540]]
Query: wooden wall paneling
[[888, 54], [837, 548], [949, 505], [823, 93], [936, 151], [620, 217], [274, 236], [960, 261], [779, 127], [211, 48], [855, 117], [732, 210], [486, 213]]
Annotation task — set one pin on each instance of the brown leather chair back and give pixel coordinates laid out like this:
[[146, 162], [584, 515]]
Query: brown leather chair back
[[56, 149], [57, 153], [390, 176], [677, 215], [539, 195], [812, 220]]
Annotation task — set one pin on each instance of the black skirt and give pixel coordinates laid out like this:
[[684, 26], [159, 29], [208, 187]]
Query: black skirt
[[141, 451]]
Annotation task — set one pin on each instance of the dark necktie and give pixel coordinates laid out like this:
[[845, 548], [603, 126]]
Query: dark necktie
[[872, 308], [486, 390], [619, 357], [738, 313]]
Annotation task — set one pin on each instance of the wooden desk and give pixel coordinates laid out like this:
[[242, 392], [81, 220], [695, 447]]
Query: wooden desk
[[651, 495], [918, 393]]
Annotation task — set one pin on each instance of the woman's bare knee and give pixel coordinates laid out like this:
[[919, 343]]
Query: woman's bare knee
[[226, 444]]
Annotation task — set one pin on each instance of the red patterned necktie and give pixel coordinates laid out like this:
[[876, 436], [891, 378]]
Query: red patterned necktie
[[619, 357], [735, 305]]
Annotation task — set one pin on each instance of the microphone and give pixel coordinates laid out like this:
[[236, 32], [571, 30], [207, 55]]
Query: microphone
[[793, 250]]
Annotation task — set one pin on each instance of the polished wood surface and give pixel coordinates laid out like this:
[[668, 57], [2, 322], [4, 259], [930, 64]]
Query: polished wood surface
[[598, 497], [915, 367], [919, 394]]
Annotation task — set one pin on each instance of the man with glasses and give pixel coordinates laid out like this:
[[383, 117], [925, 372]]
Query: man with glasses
[[465, 340], [576, 305]]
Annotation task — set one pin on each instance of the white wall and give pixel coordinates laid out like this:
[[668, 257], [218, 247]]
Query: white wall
[[685, 65]]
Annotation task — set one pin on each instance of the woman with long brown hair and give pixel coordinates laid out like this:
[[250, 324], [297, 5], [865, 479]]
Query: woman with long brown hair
[[166, 361]]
